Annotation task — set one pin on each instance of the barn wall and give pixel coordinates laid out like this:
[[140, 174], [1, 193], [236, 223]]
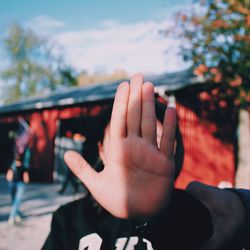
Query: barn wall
[[44, 128], [207, 158]]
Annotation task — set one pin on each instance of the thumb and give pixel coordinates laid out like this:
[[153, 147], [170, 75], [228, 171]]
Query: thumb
[[79, 166]]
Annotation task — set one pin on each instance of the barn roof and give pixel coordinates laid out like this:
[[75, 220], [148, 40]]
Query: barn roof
[[78, 95]]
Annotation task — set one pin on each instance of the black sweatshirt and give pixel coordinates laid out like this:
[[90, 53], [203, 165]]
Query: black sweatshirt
[[84, 225]]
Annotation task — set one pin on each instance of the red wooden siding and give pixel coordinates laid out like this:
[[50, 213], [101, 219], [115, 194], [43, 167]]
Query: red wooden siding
[[206, 159], [43, 124]]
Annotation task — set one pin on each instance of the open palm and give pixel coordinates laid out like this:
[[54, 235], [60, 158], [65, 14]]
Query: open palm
[[137, 180]]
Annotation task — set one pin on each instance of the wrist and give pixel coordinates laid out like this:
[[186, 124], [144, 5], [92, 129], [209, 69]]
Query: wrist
[[142, 223], [185, 219]]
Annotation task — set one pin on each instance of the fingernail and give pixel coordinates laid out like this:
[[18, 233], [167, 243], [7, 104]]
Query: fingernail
[[171, 102]]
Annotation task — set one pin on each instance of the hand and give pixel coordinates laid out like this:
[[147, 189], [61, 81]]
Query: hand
[[26, 177], [137, 180], [227, 213], [9, 175]]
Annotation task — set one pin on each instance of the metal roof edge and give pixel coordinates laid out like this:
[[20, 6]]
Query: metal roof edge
[[76, 95]]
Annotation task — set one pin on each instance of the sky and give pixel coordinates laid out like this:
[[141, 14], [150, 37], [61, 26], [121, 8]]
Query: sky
[[102, 36]]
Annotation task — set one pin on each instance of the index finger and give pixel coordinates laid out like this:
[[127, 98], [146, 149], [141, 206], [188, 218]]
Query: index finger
[[119, 112]]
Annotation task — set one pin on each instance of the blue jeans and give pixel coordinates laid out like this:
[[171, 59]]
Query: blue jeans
[[16, 192]]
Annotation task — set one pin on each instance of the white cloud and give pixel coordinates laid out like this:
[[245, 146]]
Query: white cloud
[[44, 24], [135, 48]]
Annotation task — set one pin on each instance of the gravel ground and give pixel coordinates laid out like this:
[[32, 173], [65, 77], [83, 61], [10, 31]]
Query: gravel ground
[[40, 200]]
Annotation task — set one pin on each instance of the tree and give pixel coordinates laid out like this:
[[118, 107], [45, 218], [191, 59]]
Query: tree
[[219, 48], [85, 79], [32, 68]]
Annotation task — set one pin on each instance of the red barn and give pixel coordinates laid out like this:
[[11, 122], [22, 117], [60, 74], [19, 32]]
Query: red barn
[[208, 157]]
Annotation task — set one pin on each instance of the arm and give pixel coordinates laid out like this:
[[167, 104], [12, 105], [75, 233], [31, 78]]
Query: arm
[[26, 160], [26, 177], [26, 165], [228, 214], [244, 233]]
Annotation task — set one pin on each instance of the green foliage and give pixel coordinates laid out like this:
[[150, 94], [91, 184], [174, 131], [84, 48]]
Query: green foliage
[[32, 69], [218, 41]]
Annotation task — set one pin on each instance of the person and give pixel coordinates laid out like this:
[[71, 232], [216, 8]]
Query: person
[[133, 203], [18, 176], [69, 177]]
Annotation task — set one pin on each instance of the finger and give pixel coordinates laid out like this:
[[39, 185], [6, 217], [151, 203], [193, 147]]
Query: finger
[[134, 105], [167, 143], [148, 121], [81, 169], [119, 112]]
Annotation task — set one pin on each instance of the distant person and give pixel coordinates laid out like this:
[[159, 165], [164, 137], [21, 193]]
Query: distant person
[[18, 176], [69, 177]]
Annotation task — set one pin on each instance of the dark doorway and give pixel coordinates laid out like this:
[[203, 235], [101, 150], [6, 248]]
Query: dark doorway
[[7, 139], [77, 134]]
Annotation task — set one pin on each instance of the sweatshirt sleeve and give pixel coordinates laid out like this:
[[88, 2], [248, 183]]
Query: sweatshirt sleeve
[[244, 195], [54, 240]]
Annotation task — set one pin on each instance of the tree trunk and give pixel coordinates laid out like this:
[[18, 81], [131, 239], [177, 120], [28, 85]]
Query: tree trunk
[[242, 178]]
